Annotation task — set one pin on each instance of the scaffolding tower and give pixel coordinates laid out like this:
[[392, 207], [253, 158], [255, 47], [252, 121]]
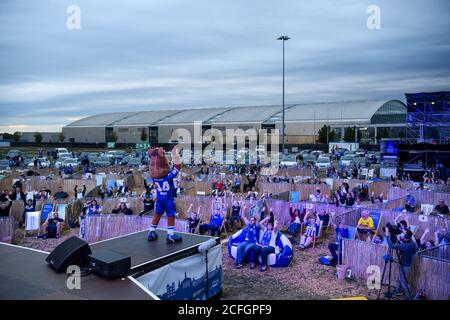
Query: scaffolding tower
[[428, 117]]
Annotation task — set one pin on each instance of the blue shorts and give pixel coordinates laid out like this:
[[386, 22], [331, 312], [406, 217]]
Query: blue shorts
[[168, 206]]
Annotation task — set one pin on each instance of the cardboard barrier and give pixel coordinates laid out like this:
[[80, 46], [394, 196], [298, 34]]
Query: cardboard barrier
[[7, 229]]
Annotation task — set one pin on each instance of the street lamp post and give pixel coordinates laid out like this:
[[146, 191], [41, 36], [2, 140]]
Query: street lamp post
[[283, 38]]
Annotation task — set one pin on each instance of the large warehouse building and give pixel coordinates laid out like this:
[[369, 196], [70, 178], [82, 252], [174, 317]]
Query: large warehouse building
[[302, 121]]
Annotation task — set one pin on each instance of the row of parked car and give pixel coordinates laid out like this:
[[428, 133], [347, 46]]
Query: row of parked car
[[77, 161], [321, 159]]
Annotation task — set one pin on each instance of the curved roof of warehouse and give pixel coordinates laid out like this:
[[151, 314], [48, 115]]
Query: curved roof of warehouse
[[307, 112]]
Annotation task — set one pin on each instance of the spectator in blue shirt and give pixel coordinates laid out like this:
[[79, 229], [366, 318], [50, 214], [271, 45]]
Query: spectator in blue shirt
[[410, 202], [341, 232], [251, 236]]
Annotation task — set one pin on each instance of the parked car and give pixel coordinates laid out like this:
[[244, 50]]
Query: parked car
[[134, 162], [4, 164], [347, 159], [125, 160], [60, 151], [309, 160], [360, 161], [360, 152], [323, 162], [317, 153], [43, 162], [288, 160], [102, 161], [13, 154]]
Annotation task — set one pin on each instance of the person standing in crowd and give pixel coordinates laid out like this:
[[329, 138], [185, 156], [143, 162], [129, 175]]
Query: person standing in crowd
[[251, 235], [406, 249], [60, 194], [341, 232]]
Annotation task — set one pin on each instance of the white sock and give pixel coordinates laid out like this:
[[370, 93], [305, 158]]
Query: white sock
[[170, 231], [153, 228]]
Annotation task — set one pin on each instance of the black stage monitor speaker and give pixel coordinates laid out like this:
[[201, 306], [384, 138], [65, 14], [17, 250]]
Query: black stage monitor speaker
[[110, 264], [73, 251]]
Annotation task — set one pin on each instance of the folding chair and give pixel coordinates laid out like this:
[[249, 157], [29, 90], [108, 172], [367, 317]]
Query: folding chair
[[351, 232], [319, 234], [426, 208]]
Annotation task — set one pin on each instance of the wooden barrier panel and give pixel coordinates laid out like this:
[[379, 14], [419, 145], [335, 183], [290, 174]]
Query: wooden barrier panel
[[6, 229], [308, 189], [425, 273], [17, 210], [104, 227], [422, 196]]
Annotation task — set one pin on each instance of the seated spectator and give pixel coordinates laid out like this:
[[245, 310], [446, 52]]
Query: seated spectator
[[5, 207], [442, 237], [349, 200], [123, 189], [267, 244], [378, 239], [93, 208], [214, 224], [79, 195], [296, 222], [420, 186], [18, 195], [149, 204], [442, 208], [42, 195], [324, 216], [316, 196], [365, 226], [194, 218], [410, 202], [251, 236], [60, 194], [424, 244], [341, 232], [235, 214], [51, 228], [237, 185], [123, 209], [312, 230], [378, 199]]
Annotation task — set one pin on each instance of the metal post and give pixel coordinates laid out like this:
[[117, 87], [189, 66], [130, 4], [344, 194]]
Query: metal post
[[282, 116]]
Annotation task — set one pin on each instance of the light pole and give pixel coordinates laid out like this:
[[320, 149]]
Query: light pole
[[283, 38]]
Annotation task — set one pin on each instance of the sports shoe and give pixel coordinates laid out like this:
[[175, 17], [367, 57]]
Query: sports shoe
[[263, 268], [42, 236], [173, 238], [238, 265], [152, 236], [252, 266]]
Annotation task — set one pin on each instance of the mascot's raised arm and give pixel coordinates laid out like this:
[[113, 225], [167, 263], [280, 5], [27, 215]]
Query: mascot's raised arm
[[163, 176]]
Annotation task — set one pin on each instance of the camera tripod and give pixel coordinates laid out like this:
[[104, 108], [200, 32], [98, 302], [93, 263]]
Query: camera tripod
[[389, 259]]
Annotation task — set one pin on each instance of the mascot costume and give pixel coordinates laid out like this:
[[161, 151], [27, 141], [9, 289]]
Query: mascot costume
[[163, 177]]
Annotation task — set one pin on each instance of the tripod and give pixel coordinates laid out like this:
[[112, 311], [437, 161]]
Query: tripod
[[388, 259]]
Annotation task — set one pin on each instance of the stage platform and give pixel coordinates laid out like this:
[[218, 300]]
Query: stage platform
[[24, 273]]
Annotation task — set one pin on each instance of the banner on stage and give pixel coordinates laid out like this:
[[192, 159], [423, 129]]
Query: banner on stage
[[185, 279]]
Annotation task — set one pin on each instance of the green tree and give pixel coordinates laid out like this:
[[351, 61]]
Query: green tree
[[383, 133], [144, 135], [38, 137], [349, 134], [326, 134], [61, 137], [17, 135]]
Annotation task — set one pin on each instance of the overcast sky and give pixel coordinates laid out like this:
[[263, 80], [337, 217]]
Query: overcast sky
[[154, 54]]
